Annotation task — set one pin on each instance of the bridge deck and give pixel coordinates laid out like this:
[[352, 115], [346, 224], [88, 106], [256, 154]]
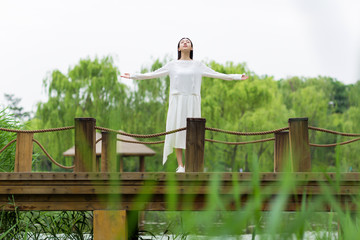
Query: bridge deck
[[164, 191]]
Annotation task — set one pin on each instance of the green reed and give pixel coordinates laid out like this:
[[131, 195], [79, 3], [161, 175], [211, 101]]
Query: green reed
[[248, 218], [214, 220], [57, 225]]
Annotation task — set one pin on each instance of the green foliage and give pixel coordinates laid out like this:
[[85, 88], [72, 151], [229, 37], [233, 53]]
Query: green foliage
[[248, 219], [91, 89], [33, 225], [147, 111], [245, 106], [7, 157], [15, 109]]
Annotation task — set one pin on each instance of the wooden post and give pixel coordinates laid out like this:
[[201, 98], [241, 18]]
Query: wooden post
[[108, 152], [98, 162], [195, 139], [23, 154], [121, 164], [282, 152], [132, 218], [110, 224], [141, 163], [85, 155], [299, 144]]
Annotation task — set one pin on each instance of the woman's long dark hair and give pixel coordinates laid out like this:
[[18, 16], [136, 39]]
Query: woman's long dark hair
[[191, 51]]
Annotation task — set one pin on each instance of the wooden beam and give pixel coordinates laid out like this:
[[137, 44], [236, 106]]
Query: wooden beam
[[144, 191], [150, 191], [23, 154], [195, 139], [92, 177], [200, 203]]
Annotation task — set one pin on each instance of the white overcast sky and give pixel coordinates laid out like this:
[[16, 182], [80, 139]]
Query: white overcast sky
[[275, 37]]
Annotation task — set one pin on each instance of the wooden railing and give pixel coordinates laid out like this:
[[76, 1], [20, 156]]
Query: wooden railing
[[291, 145], [98, 192]]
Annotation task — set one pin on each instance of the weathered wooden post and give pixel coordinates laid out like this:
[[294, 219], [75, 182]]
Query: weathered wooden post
[[299, 144], [282, 152], [108, 152], [141, 163], [23, 154], [195, 141], [121, 163], [115, 224], [110, 224], [85, 155]]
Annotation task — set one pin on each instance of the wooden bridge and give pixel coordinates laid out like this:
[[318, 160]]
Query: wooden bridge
[[116, 198]]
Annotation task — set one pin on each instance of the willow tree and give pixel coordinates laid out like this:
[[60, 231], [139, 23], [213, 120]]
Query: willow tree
[[89, 89], [245, 106], [147, 110]]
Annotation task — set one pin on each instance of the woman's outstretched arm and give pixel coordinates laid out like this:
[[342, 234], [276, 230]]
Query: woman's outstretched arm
[[163, 71], [208, 72]]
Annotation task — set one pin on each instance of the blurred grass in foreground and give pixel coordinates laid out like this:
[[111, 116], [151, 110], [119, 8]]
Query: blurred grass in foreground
[[248, 218]]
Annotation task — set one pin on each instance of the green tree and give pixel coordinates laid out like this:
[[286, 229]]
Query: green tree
[[147, 111], [244, 106], [328, 104], [89, 89], [349, 155], [14, 108]]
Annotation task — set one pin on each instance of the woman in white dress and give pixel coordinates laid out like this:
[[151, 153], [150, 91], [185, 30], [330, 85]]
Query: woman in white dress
[[184, 97]]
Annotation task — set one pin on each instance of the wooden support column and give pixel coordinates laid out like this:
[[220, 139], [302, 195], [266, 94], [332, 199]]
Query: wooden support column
[[282, 152], [98, 163], [85, 155], [110, 224], [141, 163], [121, 163], [23, 154], [195, 141], [132, 218], [108, 152], [299, 144]]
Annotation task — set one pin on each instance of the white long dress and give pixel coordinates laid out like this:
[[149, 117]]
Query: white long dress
[[184, 96]]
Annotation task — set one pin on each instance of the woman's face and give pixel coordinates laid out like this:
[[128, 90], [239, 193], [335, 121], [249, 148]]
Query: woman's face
[[185, 45]]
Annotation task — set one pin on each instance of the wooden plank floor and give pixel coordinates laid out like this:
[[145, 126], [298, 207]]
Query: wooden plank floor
[[165, 191]]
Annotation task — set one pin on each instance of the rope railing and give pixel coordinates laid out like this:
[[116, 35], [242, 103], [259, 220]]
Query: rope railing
[[246, 133], [189, 128], [334, 144], [7, 145], [140, 135], [37, 131], [51, 159], [139, 142], [334, 132], [240, 143]]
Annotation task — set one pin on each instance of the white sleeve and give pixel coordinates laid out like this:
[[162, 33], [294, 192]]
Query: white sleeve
[[163, 71], [208, 72]]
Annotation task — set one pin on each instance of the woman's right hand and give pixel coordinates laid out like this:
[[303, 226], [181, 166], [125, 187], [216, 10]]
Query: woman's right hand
[[126, 75]]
